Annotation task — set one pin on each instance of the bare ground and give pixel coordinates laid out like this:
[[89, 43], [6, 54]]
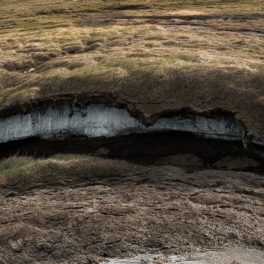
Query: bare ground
[[151, 209]]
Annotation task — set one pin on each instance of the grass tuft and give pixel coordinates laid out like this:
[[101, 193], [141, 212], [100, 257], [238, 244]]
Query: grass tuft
[[24, 173]]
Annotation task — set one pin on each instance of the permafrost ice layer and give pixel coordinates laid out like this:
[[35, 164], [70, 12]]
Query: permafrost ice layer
[[65, 120]]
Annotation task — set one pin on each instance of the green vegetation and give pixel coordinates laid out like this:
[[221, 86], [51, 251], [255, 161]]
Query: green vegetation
[[100, 46], [24, 173], [139, 53]]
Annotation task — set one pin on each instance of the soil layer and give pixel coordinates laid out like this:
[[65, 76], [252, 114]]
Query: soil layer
[[154, 209]]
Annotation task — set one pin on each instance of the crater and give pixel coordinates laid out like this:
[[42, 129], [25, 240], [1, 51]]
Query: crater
[[106, 130]]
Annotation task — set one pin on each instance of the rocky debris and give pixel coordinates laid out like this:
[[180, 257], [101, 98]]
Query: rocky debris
[[10, 194], [16, 245], [30, 70], [181, 160], [154, 209], [238, 163]]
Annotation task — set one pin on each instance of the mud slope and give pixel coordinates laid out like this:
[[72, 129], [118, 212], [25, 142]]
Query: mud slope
[[150, 209]]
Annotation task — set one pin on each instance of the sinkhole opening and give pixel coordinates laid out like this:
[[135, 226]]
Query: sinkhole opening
[[164, 148], [210, 139]]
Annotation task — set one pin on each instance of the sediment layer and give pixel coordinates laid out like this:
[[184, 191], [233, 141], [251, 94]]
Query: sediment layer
[[65, 120]]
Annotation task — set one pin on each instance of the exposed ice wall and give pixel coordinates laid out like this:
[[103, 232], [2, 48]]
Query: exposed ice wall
[[65, 120]]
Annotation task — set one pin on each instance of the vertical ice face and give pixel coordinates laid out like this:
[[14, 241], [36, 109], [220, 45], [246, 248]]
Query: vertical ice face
[[97, 120]]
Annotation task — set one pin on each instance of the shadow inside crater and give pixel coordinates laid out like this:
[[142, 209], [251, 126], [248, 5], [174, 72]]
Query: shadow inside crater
[[141, 148]]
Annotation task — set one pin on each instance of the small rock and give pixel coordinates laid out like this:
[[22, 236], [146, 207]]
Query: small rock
[[261, 241], [16, 245], [232, 236], [10, 194], [31, 70]]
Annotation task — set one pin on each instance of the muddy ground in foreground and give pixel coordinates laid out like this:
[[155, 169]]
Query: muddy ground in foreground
[[151, 209]]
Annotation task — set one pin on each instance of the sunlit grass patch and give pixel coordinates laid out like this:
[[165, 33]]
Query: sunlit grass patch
[[141, 54], [24, 173]]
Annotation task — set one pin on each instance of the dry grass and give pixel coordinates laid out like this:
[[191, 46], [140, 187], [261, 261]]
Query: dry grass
[[24, 173], [117, 54], [69, 47]]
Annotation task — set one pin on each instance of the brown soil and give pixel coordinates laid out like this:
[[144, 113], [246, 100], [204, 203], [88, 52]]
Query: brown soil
[[150, 209]]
